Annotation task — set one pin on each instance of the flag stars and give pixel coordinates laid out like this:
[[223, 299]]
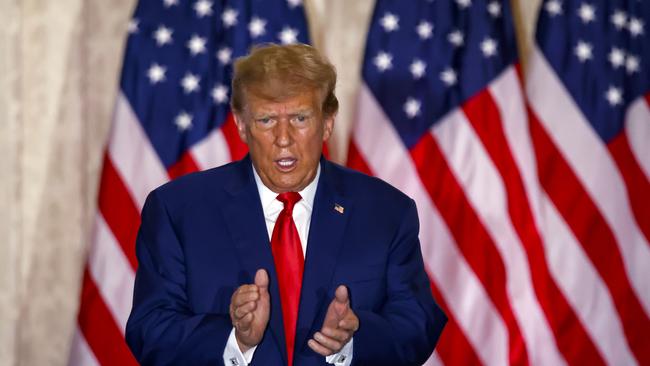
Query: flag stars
[[203, 8], [616, 57], [183, 121], [464, 4], [257, 27], [229, 17], [417, 68], [635, 26], [163, 35], [288, 35], [614, 96], [584, 51], [632, 64], [133, 26], [170, 3], [390, 22], [553, 8], [424, 30], [412, 107], [224, 55], [489, 47], [456, 38], [587, 13], [494, 9], [383, 61], [220, 94], [156, 73], [196, 45], [449, 76], [190, 83], [619, 19], [294, 3]]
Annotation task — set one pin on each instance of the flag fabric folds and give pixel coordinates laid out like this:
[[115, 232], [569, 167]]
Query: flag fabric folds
[[534, 202], [172, 117]]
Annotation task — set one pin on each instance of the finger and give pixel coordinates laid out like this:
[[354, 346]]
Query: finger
[[246, 297], [349, 324], [341, 295], [330, 343], [262, 280], [318, 348], [241, 311], [337, 334], [245, 323]]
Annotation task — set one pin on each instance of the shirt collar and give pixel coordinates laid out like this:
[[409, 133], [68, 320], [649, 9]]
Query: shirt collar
[[268, 197]]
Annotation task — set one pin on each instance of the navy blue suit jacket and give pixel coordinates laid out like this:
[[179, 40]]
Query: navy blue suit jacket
[[203, 235]]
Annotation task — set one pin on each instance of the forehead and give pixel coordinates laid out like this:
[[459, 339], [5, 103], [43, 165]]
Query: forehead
[[306, 100]]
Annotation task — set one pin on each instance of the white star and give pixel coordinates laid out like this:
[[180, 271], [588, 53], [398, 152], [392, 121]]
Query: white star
[[220, 94], [163, 35], [616, 57], [229, 17], [417, 68], [448, 76], [587, 13], [169, 3], [424, 29], [288, 35], [383, 61], [614, 96], [224, 54], [190, 83], [584, 51], [156, 73], [489, 47], [390, 22], [257, 27], [203, 8], [632, 64], [619, 19], [494, 8], [294, 3], [635, 26], [133, 26], [464, 3], [196, 45], [183, 121], [456, 38], [412, 107], [553, 7]]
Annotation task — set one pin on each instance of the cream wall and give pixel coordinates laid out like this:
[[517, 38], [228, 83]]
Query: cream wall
[[59, 62]]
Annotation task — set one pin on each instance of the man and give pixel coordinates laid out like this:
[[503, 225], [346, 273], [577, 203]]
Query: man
[[282, 258]]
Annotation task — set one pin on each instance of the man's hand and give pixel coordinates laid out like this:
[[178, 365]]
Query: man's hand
[[338, 327], [249, 311]]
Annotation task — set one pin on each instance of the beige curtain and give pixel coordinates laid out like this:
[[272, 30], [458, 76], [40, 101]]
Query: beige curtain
[[59, 64]]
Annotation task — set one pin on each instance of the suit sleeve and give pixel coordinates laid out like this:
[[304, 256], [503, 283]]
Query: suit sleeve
[[406, 328], [162, 328]]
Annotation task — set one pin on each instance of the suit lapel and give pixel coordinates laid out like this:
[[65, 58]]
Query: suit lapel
[[325, 240], [245, 219]]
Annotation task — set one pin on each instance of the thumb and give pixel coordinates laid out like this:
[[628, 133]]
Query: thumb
[[262, 280], [341, 301]]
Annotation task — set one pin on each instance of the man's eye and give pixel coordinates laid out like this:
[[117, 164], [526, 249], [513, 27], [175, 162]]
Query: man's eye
[[264, 120], [300, 118]]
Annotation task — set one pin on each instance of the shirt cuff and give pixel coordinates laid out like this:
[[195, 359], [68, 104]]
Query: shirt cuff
[[344, 357], [233, 356]]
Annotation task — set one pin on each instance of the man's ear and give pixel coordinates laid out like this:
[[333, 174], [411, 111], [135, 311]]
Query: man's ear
[[241, 128], [328, 126]]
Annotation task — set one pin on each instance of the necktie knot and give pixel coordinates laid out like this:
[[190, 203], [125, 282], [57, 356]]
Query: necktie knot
[[289, 199]]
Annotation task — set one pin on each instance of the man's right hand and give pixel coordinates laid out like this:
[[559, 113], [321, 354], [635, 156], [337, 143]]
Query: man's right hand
[[249, 311]]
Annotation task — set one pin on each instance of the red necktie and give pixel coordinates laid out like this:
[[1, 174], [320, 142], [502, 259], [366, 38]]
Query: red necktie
[[289, 265]]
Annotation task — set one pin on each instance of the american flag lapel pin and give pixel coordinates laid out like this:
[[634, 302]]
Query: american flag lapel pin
[[338, 208]]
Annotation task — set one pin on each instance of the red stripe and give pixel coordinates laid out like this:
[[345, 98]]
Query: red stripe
[[638, 187], [184, 165], [356, 160], [593, 233], [572, 339], [469, 234], [237, 147], [119, 210], [99, 328]]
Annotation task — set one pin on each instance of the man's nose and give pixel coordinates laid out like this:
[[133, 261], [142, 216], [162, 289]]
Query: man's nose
[[283, 133]]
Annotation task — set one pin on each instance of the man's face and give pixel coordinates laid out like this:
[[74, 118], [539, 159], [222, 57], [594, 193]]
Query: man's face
[[285, 138]]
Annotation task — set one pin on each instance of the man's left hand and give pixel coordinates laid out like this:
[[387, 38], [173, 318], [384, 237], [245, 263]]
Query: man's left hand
[[338, 327]]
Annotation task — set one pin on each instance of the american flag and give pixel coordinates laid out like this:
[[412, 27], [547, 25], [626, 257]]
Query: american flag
[[172, 117], [534, 203]]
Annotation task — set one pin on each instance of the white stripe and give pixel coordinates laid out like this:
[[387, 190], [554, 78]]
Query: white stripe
[[434, 360], [80, 353], [637, 130], [382, 149], [592, 164], [485, 190], [568, 265], [133, 155], [111, 271], [583, 288], [212, 151]]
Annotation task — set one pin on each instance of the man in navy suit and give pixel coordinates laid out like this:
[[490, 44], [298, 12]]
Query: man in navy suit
[[282, 257]]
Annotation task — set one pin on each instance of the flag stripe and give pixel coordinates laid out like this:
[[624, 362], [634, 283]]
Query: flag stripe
[[470, 235], [183, 166], [592, 232], [236, 146], [637, 130], [571, 337], [213, 150], [81, 354]]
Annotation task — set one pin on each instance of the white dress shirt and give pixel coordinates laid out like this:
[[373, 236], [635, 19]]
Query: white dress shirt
[[232, 355]]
